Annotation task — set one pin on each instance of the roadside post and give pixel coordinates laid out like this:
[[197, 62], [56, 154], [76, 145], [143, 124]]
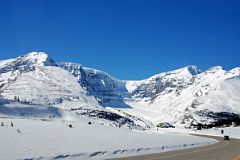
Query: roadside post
[[222, 131]]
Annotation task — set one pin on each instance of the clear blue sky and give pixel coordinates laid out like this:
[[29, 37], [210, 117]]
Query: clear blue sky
[[130, 39]]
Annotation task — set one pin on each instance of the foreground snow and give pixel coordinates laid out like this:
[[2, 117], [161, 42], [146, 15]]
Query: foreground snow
[[232, 132], [54, 139]]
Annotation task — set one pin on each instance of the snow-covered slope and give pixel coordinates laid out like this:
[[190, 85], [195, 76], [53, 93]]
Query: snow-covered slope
[[54, 140], [35, 79], [183, 97], [163, 83], [11, 69], [18, 109], [180, 96], [27, 61], [108, 90]]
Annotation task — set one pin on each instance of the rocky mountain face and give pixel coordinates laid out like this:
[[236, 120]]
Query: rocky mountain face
[[183, 97], [178, 97], [109, 91], [35, 80], [11, 69], [164, 83]]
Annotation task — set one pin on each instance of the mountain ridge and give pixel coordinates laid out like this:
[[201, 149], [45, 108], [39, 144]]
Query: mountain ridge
[[178, 97]]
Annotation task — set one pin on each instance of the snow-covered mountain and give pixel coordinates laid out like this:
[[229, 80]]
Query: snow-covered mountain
[[183, 97], [179, 97], [109, 91], [35, 80], [186, 96]]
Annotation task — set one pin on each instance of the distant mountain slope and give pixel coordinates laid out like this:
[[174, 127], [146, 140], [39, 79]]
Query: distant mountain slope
[[179, 97], [35, 81], [183, 97], [109, 91], [36, 78]]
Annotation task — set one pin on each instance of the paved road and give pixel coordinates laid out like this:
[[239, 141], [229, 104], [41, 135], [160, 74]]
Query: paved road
[[223, 150]]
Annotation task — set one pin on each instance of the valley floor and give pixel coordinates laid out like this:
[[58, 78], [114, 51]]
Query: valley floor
[[54, 139]]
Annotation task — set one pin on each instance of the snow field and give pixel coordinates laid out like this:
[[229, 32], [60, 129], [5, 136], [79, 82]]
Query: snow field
[[54, 138]]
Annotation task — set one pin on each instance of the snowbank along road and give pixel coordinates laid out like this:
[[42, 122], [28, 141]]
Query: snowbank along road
[[223, 150]]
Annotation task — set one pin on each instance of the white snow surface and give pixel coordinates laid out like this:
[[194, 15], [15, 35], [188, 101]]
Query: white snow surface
[[16, 109], [232, 131], [52, 139], [35, 78], [178, 97], [33, 58], [48, 84], [42, 98], [213, 90]]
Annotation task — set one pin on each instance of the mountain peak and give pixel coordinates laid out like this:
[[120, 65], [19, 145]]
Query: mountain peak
[[190, 70], [39, 59], [193, 69], [36, 53], [216, 68]]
